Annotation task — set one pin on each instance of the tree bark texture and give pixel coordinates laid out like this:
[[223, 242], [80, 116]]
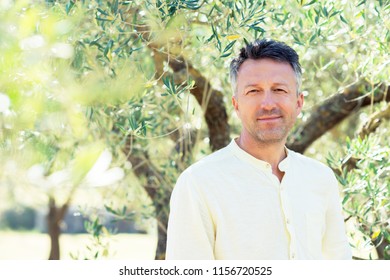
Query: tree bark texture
[[54, 219]]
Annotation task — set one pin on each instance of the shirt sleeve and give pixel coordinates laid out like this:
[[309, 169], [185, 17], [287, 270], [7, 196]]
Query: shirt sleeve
[[335, 242], [190, 234]]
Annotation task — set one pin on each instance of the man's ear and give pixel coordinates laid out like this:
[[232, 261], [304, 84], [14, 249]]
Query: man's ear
[[300, 101], [235, 103]]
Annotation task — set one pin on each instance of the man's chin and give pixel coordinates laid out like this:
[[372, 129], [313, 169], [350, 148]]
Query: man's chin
[[271, 138]]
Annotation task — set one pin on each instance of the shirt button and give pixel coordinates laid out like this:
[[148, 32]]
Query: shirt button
[[287, 221], [292, 256]]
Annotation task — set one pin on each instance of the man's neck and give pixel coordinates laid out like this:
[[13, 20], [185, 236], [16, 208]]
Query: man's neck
[[273, 153]]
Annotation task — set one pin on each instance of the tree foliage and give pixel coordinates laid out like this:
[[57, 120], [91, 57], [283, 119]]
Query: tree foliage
[[148, 80]]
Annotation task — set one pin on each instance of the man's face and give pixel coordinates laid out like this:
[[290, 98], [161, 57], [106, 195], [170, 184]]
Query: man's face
[[266, 100]]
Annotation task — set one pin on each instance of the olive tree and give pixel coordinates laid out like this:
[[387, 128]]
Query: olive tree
[[149, 79]]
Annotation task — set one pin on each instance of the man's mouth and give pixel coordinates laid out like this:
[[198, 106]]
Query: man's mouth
[[269, 118]]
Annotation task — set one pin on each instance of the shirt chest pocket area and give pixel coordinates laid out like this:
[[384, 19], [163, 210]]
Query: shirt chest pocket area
[[315, 229]]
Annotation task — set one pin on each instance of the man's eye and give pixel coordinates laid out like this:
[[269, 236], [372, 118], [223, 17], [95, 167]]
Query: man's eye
[[253, 91], [280, 90]]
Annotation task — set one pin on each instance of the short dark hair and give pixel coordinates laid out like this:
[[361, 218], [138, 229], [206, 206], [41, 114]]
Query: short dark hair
[[266, 48]]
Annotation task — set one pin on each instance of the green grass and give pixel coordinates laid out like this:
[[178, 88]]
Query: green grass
[[36, 246]]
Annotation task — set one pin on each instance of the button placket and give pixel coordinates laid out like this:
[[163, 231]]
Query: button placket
[[285, 208], [285, 204]]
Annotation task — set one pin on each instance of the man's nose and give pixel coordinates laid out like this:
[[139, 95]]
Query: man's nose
[[268, 100]]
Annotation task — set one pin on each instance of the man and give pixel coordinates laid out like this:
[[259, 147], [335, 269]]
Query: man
[[256, 199]]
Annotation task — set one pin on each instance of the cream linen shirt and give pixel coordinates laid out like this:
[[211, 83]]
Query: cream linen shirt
[[230, 206]]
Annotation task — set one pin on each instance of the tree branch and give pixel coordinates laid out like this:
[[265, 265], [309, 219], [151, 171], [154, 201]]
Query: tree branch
[[374, 121], [332, 112], [209, 99], [369, 127]]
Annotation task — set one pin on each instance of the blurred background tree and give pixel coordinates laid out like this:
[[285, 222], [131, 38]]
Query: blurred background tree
[[143, 86]]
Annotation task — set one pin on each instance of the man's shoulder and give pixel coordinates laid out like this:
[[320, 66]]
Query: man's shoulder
[[206, 172], [310, 163]]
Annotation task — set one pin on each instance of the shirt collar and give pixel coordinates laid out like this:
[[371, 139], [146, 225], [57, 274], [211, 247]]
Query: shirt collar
[[241, 154], [285, 163]]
